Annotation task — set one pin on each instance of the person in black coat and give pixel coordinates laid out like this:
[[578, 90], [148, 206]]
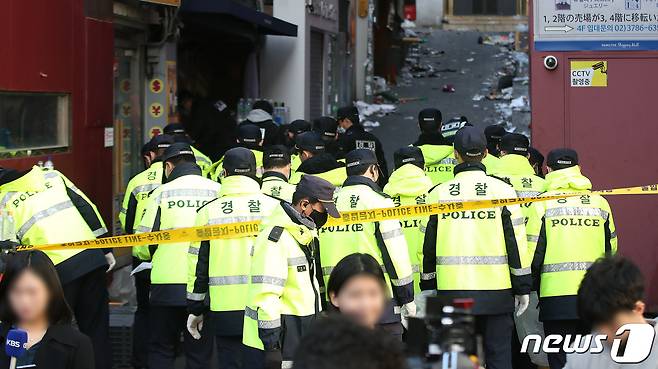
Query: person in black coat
[[32, 299]]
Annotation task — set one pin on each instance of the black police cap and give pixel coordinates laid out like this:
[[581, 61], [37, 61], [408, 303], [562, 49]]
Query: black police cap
[[348, 112], [429, 119], [249, 133], [157, 142], [470, 141], [318, 188], [174, 129], [409, 155], [495, 132], [299, 126], [310, 141], [177, 149], [562, 158], [239, 161], [515, 143], [325, 126], [276, 152], [360, 157]]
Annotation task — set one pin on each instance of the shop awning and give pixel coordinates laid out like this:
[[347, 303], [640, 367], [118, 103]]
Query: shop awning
[[265, 24]]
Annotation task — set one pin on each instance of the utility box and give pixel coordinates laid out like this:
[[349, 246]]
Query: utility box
[[593, 74]]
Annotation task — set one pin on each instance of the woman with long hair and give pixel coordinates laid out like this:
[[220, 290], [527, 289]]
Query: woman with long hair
[[32, 299], [357, 288]]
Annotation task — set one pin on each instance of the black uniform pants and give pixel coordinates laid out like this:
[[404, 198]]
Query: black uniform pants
[[166, 324], [496, 332], [141, 322], [88, 298], [229, 352], [562, 327]]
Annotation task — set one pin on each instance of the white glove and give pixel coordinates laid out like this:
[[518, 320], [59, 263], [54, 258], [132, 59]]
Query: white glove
[[195, 325], [407, 311], [111, 261], [420, 299], [521, 303]]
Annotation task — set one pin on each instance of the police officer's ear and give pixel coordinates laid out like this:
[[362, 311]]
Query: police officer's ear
[[168, 168], [458, 157]]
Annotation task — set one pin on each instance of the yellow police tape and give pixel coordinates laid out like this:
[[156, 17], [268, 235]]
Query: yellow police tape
[[234, 230]]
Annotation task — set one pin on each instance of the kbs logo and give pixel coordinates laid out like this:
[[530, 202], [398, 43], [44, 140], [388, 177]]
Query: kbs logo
[[12, 343], [638, 343]]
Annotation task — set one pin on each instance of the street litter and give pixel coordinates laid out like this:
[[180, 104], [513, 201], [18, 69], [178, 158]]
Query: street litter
[[448, 88]]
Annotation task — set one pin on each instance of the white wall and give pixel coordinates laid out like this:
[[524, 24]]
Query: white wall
[[429, 12], [283, 61]]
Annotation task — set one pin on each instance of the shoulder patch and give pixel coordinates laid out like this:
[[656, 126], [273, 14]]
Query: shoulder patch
[[275, 234]]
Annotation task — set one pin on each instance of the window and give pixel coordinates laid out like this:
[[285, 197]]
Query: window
[[33, 122]]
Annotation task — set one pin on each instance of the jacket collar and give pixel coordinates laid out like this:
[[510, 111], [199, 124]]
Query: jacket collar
[[364, 181], [183, 169], [297, 217], [469, 167], [513, 164], [319, 164], [355, 128], [32, 180], [274, 176], [408, 180], [234, 185], [431, 138], [568, 179]]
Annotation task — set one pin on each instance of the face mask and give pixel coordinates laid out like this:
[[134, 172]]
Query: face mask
[[340, 130], [319, 218]]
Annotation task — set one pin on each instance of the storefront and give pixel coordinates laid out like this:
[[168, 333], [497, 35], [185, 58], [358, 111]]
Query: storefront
[[56, 91]]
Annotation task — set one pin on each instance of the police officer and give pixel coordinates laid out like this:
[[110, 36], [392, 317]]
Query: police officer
[[174, 205], [261, 116], [250, 137], [45, 207], [316, 161], [177, 130], [515, 168], [536, 160], [296, 128], [384, 240], [437, 151], [284, 296], [355, 137], [494, 134], [276, 173], [134, 203], [327, 128], [219, 269], [479, 254], [409, 185], [567, 236]]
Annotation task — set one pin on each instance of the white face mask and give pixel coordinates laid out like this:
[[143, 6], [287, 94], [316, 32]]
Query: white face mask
[[340, 130]]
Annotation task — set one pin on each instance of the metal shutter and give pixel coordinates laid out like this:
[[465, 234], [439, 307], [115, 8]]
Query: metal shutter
[[316, 98]]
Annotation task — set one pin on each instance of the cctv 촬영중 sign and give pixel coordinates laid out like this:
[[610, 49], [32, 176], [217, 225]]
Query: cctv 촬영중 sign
[[589, 73], [574, 25]]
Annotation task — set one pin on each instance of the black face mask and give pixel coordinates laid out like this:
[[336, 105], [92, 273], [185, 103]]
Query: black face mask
[[319, 218]]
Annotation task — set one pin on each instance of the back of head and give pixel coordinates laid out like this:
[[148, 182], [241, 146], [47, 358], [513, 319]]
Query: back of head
[[263, 105], [348, 112], [326, 127], [515, 143], [611, 285], [239, 161], [299, 126], [249, 136], [275, 157], [178, 153], [429, 120], [409, 155], [359, 160], [351, 266], [562, 159], [494, 133], [471, 144], [311, 142], [337, 342]]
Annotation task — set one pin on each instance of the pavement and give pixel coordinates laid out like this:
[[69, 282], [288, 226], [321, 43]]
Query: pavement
[[476, 66]]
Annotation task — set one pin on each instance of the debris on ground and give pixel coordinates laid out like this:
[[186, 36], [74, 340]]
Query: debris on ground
[[449, 88], [367, 110]]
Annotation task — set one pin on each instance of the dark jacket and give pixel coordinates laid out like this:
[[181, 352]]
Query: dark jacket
[[357, 138], [63, 347]]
